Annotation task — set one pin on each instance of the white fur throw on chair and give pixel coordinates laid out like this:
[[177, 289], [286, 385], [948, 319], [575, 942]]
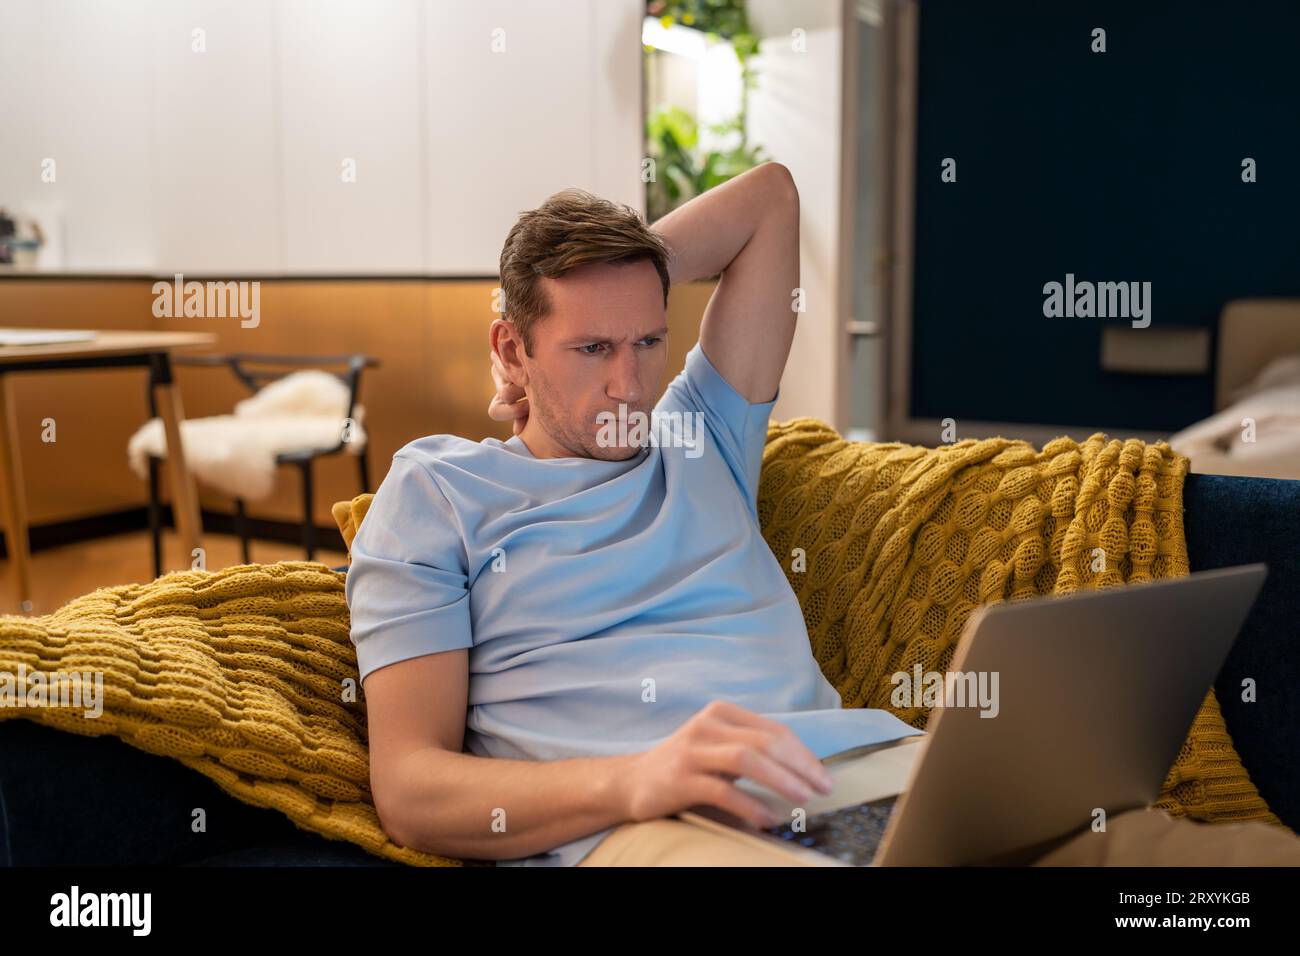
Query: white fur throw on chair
[[236, 453]]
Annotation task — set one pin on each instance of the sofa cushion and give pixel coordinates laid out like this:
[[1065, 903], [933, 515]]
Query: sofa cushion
[[1230, 521], [70, 799]]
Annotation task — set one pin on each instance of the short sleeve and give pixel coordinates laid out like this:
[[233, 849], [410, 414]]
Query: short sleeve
[[738, 427], [406, 586]]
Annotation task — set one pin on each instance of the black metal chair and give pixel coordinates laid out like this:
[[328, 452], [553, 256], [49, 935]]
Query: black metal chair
[[255, 379]]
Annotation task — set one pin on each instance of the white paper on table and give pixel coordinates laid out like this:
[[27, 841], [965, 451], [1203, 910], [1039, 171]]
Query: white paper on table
[[44, 336]]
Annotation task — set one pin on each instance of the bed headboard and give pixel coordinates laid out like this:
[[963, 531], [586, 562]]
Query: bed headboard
[[1251, 333]]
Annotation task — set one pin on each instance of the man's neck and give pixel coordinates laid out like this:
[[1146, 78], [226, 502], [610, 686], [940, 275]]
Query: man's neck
[[540, 444]]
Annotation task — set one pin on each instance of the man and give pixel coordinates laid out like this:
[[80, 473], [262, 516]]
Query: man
[[591, 605], [568, 637]]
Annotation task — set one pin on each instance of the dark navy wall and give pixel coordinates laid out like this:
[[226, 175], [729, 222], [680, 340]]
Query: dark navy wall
[[1118, 166]]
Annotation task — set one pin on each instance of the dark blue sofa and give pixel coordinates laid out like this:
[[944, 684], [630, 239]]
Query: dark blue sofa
[[67, 799]]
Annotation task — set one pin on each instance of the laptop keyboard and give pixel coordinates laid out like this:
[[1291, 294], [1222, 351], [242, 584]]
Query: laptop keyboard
[[851, 834]]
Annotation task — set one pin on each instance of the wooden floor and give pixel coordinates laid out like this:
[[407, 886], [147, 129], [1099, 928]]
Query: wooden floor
[[60, 574]]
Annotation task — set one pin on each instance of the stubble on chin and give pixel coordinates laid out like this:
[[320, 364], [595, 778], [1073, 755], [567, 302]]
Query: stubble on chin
[[584, 444]]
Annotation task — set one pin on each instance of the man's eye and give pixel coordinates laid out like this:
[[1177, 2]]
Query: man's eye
[[651, 340], [594, 345]]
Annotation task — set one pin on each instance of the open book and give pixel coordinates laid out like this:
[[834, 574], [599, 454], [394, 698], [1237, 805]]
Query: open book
[[842, 732]]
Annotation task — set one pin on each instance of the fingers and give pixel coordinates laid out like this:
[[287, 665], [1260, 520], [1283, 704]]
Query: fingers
[[507, 391], [716, 792], [793, 758], [742, 760], [508, 410], [771, 737], [510, 403]]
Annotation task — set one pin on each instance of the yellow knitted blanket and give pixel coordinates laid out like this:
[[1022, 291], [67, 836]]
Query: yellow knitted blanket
[[247, 674]]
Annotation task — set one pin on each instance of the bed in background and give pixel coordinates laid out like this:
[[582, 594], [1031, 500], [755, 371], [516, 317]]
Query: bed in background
[[1255, 430]]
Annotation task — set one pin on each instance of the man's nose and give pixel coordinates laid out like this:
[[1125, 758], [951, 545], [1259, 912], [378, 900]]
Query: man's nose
[[625, 382]]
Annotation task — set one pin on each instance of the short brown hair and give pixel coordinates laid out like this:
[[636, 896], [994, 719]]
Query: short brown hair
[[572, 228]]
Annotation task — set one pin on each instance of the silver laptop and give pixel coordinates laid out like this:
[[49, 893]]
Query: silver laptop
[[1094, 695]]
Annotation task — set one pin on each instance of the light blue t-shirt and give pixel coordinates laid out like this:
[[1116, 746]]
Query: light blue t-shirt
[[603, 602]]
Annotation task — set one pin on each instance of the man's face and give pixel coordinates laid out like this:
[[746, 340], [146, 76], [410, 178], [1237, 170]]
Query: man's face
[[603, 344]]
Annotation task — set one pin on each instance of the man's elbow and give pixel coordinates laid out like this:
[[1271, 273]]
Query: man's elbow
[[394, 820], [398, 806], [403, 804], [782, 188], [405, 830]]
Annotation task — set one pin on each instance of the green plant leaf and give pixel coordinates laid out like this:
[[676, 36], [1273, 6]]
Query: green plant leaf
[[675, 121]]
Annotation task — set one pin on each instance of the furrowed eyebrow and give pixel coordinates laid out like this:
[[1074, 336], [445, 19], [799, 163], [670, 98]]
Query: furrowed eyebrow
[[597, 340]]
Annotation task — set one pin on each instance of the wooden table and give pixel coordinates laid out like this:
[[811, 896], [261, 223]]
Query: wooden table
[[150, 350]]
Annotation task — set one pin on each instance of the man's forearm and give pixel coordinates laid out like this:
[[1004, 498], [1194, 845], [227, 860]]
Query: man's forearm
[[486, 808], [705, 234], [747, 229]]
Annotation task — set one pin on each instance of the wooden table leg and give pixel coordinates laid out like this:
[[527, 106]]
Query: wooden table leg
[[14, 500], [185, 497]]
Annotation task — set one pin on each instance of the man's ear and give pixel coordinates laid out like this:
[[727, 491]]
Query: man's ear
[[505, 341]]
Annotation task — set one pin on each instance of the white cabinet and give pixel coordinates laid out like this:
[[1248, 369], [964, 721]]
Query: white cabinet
[[270, 137], [525, 99], [76, 123], [352, 160], [217, 178]]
